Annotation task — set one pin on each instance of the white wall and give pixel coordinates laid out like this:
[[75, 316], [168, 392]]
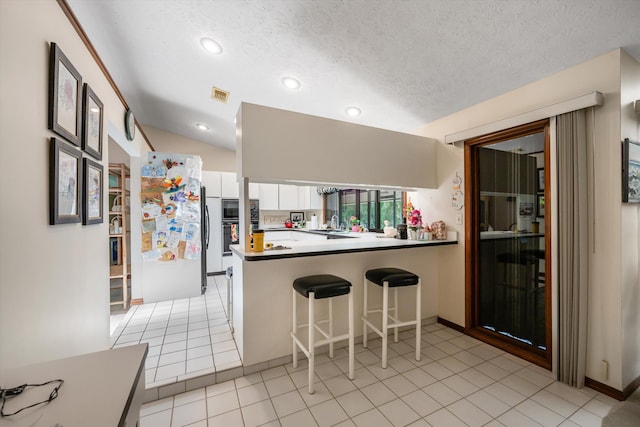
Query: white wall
[[630, 219], [276, 146], [213, 158], [605, 261], [54, 286]]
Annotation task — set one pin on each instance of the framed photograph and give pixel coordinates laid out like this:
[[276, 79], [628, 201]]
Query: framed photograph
[[630, 171], [65, 88], [526, 209], [65, 185], [296, 216], [91, 123], [540, 206], [541, 180], [93, 174]]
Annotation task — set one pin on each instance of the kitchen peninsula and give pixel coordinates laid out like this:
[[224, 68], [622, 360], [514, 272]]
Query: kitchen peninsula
[[262, 283]]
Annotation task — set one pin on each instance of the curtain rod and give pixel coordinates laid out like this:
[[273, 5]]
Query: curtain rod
[[584, 101]]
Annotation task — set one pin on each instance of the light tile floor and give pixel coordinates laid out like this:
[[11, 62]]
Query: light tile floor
[[187, 338], [459, 382]]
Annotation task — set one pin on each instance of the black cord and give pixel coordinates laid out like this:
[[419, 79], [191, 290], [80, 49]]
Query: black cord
[[8, 393]]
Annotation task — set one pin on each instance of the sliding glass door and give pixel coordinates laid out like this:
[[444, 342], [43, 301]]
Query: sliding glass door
[[508, 284]]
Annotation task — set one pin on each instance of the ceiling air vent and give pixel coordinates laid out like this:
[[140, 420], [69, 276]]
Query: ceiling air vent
[[219, 95]]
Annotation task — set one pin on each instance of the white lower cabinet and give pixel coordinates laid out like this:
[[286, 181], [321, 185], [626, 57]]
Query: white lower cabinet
[[275, 236]]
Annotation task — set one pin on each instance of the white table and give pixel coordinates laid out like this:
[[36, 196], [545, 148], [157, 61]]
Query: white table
[[100, 389]]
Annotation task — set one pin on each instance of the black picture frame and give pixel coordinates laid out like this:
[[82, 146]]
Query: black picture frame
[[540, 206], [92, 120], [296, 216], [630, 171], [65, 95], [540, 181], [65, 185], [92, 194]]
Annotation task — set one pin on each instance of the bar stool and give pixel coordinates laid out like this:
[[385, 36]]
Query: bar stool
[[319, 287], [229, 276], [390, 278]]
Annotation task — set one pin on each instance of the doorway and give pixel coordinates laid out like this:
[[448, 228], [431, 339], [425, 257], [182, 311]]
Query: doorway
[[119, 175], [508, 268]]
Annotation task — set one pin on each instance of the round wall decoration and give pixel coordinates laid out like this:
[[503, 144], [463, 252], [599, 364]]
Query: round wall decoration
[[130, 125]]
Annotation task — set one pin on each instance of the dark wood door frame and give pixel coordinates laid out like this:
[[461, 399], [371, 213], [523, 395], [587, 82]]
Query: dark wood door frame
[[472, 233]]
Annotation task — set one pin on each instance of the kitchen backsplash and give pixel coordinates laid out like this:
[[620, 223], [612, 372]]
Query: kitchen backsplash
[[276, 219]]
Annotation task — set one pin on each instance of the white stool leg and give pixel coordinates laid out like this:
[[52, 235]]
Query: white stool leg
[[331, 327], [418, 318], [395, 313], [365, 312], [385, 322], [230, 298], [351, 338], [312, 346], [229, 320], [295, 329]]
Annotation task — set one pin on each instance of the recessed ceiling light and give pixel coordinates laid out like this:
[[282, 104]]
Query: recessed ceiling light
[[94, 109], [202, 127], [210, 45], [353, 111], [291, 83]]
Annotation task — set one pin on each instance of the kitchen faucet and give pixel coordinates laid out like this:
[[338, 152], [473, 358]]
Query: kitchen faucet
[[334, 221]]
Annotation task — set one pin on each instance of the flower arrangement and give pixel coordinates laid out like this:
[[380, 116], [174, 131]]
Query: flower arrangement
[[413, 215], [408, 210], [415, 220], [355, 223]]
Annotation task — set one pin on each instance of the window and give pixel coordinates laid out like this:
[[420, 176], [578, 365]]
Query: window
[[371, 207]]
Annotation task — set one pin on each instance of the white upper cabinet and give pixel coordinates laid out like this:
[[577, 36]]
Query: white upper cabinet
[[254, 190], [309, 198], [211, 180], [230, 186], [288, 197], [268, 195]]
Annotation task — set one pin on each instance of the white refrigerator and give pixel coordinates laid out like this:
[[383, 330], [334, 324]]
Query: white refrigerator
[[172, 227]]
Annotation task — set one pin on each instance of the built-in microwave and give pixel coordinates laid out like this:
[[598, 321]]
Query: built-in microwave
[[231, 210]]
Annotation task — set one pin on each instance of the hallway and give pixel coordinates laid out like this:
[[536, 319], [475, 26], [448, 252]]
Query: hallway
[[187, 338]]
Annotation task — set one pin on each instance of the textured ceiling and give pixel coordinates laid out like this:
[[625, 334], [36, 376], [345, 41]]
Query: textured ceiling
[[404, 63]]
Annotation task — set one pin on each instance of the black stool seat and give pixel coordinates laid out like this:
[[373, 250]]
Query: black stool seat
[[394, 276], [322, 285]]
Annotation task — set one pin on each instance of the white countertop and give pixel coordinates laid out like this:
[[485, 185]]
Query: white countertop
[[357, 242], [492, 235]]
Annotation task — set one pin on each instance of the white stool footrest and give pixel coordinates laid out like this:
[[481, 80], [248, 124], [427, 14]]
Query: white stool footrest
[[330, 340], [300, 344], [372, 326], [399, 324]]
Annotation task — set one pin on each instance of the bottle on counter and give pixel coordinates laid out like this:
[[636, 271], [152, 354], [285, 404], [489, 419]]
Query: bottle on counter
[[258, 240]]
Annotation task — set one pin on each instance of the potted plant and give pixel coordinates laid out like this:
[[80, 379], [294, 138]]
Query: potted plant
[[414, 222]]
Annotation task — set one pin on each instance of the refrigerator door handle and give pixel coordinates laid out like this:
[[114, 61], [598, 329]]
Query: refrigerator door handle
[[207, 225]]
